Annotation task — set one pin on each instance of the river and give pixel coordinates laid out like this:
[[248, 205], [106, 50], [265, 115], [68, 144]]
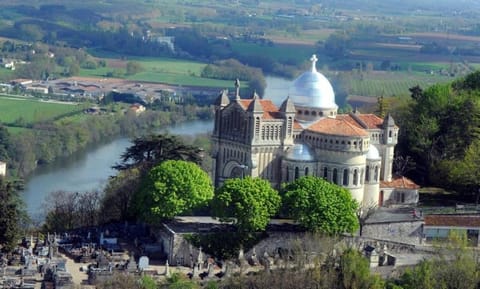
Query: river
[[90, 169]]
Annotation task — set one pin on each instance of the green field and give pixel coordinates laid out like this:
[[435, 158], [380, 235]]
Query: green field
[[161, 70], [387, 83], [295, 53], [26, 110]]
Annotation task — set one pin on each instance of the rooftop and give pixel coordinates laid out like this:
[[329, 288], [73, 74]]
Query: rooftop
[[458, 220], [394, 215]]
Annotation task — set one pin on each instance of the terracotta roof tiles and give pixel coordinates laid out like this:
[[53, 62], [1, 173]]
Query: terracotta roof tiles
[[270, 110], [400, 183], [337, 126], [452, 220], [371, 121]]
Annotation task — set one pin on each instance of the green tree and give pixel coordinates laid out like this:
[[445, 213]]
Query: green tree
[[151, 150], [438, 125], [124, 281], [455, 266], [12, 214], [172, 188], [337, 45], [177, 281], [248, 203], [466, 172], [354, 272], [119, 194], [133, 67], [320, 206]]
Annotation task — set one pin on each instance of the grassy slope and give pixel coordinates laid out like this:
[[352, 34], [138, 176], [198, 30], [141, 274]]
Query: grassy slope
[[32, 110]]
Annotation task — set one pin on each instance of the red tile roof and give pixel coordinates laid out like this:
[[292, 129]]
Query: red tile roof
[[400, 183], [270, 110], [452, 220], [371, 121], [297, 125], [337, 126]]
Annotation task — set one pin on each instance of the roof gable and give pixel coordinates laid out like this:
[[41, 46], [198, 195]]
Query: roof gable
[[270, 110]]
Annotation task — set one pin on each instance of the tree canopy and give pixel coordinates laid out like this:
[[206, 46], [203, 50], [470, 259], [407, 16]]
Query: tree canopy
[[320, 206], [148, 151], [12, 214], [248, 202], [438, 125], [172, 188]]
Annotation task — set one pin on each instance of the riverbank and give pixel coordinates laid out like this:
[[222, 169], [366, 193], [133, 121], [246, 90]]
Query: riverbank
[[89, 169]]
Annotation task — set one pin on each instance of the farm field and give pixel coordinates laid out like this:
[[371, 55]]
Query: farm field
[[161, 70], [26, 110], [278, 52], [386, 83]]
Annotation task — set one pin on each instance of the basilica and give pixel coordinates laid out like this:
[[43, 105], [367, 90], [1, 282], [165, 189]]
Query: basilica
[[306, 136]]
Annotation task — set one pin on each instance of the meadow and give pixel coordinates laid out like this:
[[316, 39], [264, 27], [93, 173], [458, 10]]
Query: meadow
[[386, 83], [161, 70], [20, 111]]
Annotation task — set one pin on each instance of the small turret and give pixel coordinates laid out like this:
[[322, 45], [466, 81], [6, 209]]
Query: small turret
[[287, 106], [222, 99], [390, 130], [255, 106]]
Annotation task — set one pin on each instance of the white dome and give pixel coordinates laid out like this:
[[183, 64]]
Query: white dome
[[300, 152], [312, 89], [373, 153]]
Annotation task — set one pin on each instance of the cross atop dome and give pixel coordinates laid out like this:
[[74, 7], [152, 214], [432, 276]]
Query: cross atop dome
[[314, 60]]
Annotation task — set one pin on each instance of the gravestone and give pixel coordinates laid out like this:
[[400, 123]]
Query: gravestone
[[253, 260], [195, 271], [102, 261], [200, 256], [210, 272], [228, 268], [143, 263], [167, 269], [132, 265], [241, 258]]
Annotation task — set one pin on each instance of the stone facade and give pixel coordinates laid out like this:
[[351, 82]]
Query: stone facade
[[304, 136], [402, 232]]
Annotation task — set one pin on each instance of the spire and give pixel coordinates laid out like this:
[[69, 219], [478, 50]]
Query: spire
[[237, 89], [222, 99], [388, 121], [255, 106], [287, 106], [314, 60]]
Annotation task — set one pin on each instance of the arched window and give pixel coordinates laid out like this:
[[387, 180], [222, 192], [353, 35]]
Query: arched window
[[367, 174], [288, 174], [390, 134], [375, 176], [325, 173], [289, 126], [296, 172], [335, 176], [355, 177], [306, 171], [345, 177]]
